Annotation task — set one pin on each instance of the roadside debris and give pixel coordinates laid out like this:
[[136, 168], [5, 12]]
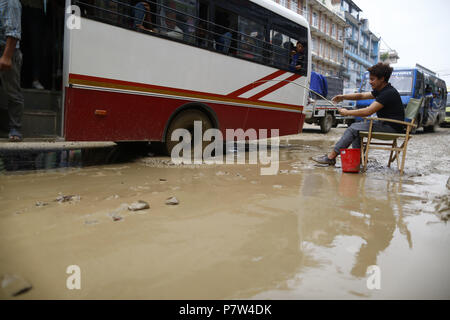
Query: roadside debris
[[41, 204], [139, 205], [172, 201], [13, 285], [71, 198], [115, 216]]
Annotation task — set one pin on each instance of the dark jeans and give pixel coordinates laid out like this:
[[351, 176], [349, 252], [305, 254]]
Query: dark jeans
[[351, 135], [11, 85]]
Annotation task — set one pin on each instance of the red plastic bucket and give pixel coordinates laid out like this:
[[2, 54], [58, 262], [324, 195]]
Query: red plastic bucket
[[351, 159]]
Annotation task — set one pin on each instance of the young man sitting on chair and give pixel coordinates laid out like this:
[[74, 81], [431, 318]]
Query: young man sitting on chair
[[387, 104]]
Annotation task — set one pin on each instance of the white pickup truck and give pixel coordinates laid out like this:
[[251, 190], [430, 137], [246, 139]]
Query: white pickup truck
[[322, 112]]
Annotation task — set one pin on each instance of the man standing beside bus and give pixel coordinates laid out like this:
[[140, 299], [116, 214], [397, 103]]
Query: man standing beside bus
[[11, 63], [388, 104]]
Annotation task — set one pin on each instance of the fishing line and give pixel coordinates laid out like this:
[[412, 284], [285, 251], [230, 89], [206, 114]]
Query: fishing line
[[300, 85]]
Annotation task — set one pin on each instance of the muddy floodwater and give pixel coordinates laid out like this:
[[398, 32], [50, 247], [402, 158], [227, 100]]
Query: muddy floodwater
[[306, 233]]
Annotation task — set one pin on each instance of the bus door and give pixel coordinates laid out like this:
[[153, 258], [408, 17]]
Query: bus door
[[42, 68]]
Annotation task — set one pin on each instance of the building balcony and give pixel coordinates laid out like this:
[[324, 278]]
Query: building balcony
[[352, 41], [365, 49], [317, 58], [360, 60], [335, 15]]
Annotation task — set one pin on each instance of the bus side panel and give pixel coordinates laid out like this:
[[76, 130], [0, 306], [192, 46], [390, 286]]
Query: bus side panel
[[112, 116]]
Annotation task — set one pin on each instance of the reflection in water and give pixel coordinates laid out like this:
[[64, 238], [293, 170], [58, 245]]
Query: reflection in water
[[25, 160], [361, 208], [20, 161]]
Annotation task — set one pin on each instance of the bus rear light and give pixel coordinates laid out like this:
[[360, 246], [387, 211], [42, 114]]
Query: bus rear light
[[101, 112]]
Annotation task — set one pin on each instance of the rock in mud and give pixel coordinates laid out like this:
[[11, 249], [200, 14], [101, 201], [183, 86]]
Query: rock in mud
[[13, 285], [172, 201], [41, 204], [63, 198], [139, 205]]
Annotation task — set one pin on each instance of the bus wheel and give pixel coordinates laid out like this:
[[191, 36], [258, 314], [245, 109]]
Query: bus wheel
[[326, 123], [185, 120]]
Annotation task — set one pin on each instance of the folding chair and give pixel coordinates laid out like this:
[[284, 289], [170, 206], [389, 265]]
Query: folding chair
[[410, 114]]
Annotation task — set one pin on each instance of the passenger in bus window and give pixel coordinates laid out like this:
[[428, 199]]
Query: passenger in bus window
[[223, 41], [142, 17], [279, 52], [297, 58], [202, 35], [173, 30]]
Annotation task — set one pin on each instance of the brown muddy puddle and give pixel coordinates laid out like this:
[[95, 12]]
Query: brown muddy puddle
[[305, 233]]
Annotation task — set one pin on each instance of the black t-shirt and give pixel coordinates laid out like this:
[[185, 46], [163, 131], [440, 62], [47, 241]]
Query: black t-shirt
[[392, 106]]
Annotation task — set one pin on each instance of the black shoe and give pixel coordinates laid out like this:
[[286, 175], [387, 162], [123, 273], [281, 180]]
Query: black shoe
[[325, 160]]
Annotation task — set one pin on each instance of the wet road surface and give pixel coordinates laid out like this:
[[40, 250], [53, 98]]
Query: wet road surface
[[305, 233]]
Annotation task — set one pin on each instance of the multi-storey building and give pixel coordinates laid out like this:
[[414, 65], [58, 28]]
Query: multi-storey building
[[362, 47], [327, 31]]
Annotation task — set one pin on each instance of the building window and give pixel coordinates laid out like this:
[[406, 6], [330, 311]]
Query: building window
[[340, 35], [315, 45], [294, 6], [345, 6], [283, 3], [315, 20], [305, 11], [333, 31], [322, 24]]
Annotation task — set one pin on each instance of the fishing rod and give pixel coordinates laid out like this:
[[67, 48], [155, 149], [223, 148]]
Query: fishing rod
[[300, 85]]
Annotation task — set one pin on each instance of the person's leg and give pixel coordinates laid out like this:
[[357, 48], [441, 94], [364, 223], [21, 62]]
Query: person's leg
[[11, 85], [350, 136]]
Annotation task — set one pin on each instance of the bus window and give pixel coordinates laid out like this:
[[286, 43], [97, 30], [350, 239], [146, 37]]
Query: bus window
[[202, 32], [402, 81], [418, 87], [251, 39], [176, 19], [281, 48], [225, 23]]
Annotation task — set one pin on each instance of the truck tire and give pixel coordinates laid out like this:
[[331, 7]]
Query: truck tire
[[431, 128], [185, 120], [335, 123], [326, 123]]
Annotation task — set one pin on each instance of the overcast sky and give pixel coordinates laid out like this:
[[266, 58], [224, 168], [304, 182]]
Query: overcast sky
[[418, 29]]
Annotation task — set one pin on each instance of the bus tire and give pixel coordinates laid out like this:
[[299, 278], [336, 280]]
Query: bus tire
[[326, 123], [185, 120]]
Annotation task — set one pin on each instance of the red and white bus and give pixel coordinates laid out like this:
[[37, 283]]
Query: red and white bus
[[136, 72]]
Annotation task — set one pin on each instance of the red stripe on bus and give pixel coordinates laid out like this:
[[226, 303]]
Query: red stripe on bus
[[256, 84], [275, 87], [205, 95]]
